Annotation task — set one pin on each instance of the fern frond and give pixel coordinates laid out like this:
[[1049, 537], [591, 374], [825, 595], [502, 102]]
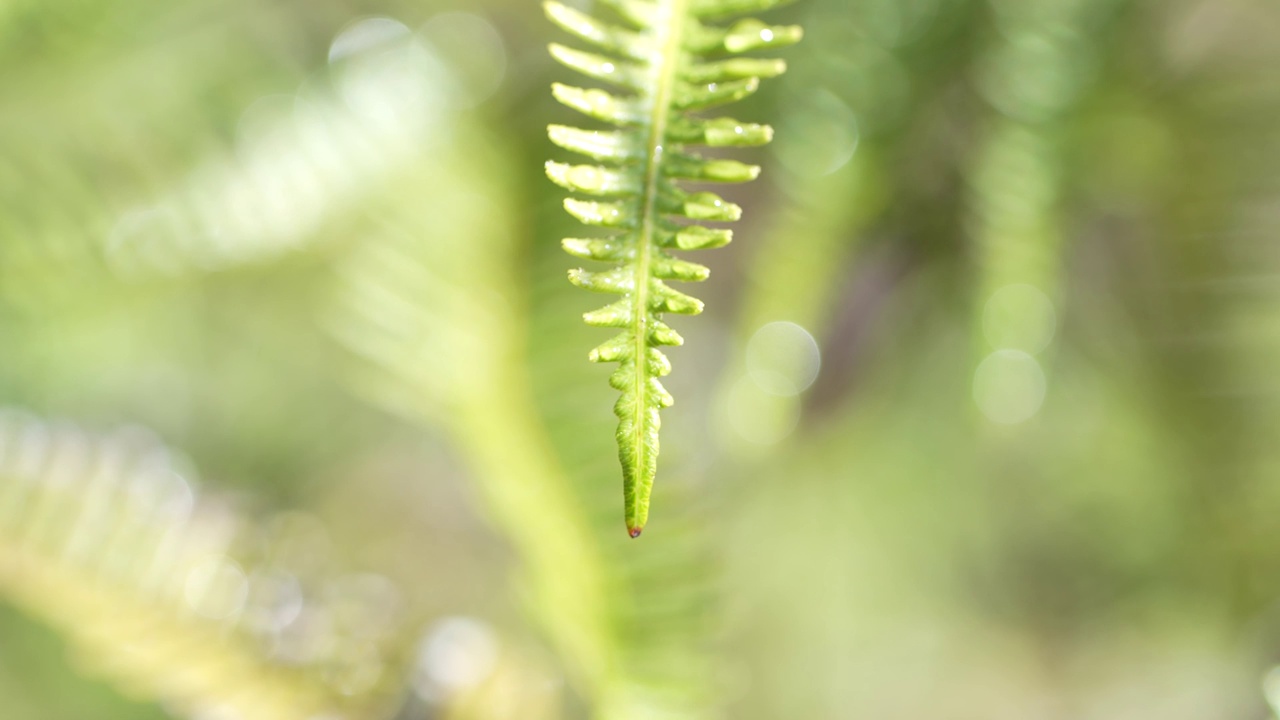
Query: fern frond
[[671, 63], [174, 597], [439, 345]]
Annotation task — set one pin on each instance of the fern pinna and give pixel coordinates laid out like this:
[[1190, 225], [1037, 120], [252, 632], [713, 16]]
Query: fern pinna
[[673, 62]]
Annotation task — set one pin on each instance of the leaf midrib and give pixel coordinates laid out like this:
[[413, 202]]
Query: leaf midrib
[[669, 20]]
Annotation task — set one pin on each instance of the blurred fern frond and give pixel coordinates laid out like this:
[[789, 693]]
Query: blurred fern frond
[[176, 598], [1033, 81], [667, 57], [301, 162], [441, 350]]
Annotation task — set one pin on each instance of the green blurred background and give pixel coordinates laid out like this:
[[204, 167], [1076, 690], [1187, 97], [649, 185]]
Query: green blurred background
[[982, 420]]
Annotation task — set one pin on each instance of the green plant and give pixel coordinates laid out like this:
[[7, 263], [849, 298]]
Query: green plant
[[671, 60], [305, 243]]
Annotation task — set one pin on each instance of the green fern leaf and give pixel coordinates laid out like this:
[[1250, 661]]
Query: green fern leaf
[[671, 62]]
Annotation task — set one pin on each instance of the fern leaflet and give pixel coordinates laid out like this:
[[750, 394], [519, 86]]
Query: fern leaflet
[[672, 62]]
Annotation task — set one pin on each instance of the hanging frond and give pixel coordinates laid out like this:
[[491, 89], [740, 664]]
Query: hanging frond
[[671, 63]]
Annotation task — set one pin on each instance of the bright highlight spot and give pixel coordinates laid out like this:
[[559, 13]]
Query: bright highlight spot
[[820, 137], [457, 654], [1009, 387], [783, 358]]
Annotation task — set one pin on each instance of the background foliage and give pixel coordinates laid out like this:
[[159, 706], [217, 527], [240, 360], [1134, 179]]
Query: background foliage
[[981, 420]]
